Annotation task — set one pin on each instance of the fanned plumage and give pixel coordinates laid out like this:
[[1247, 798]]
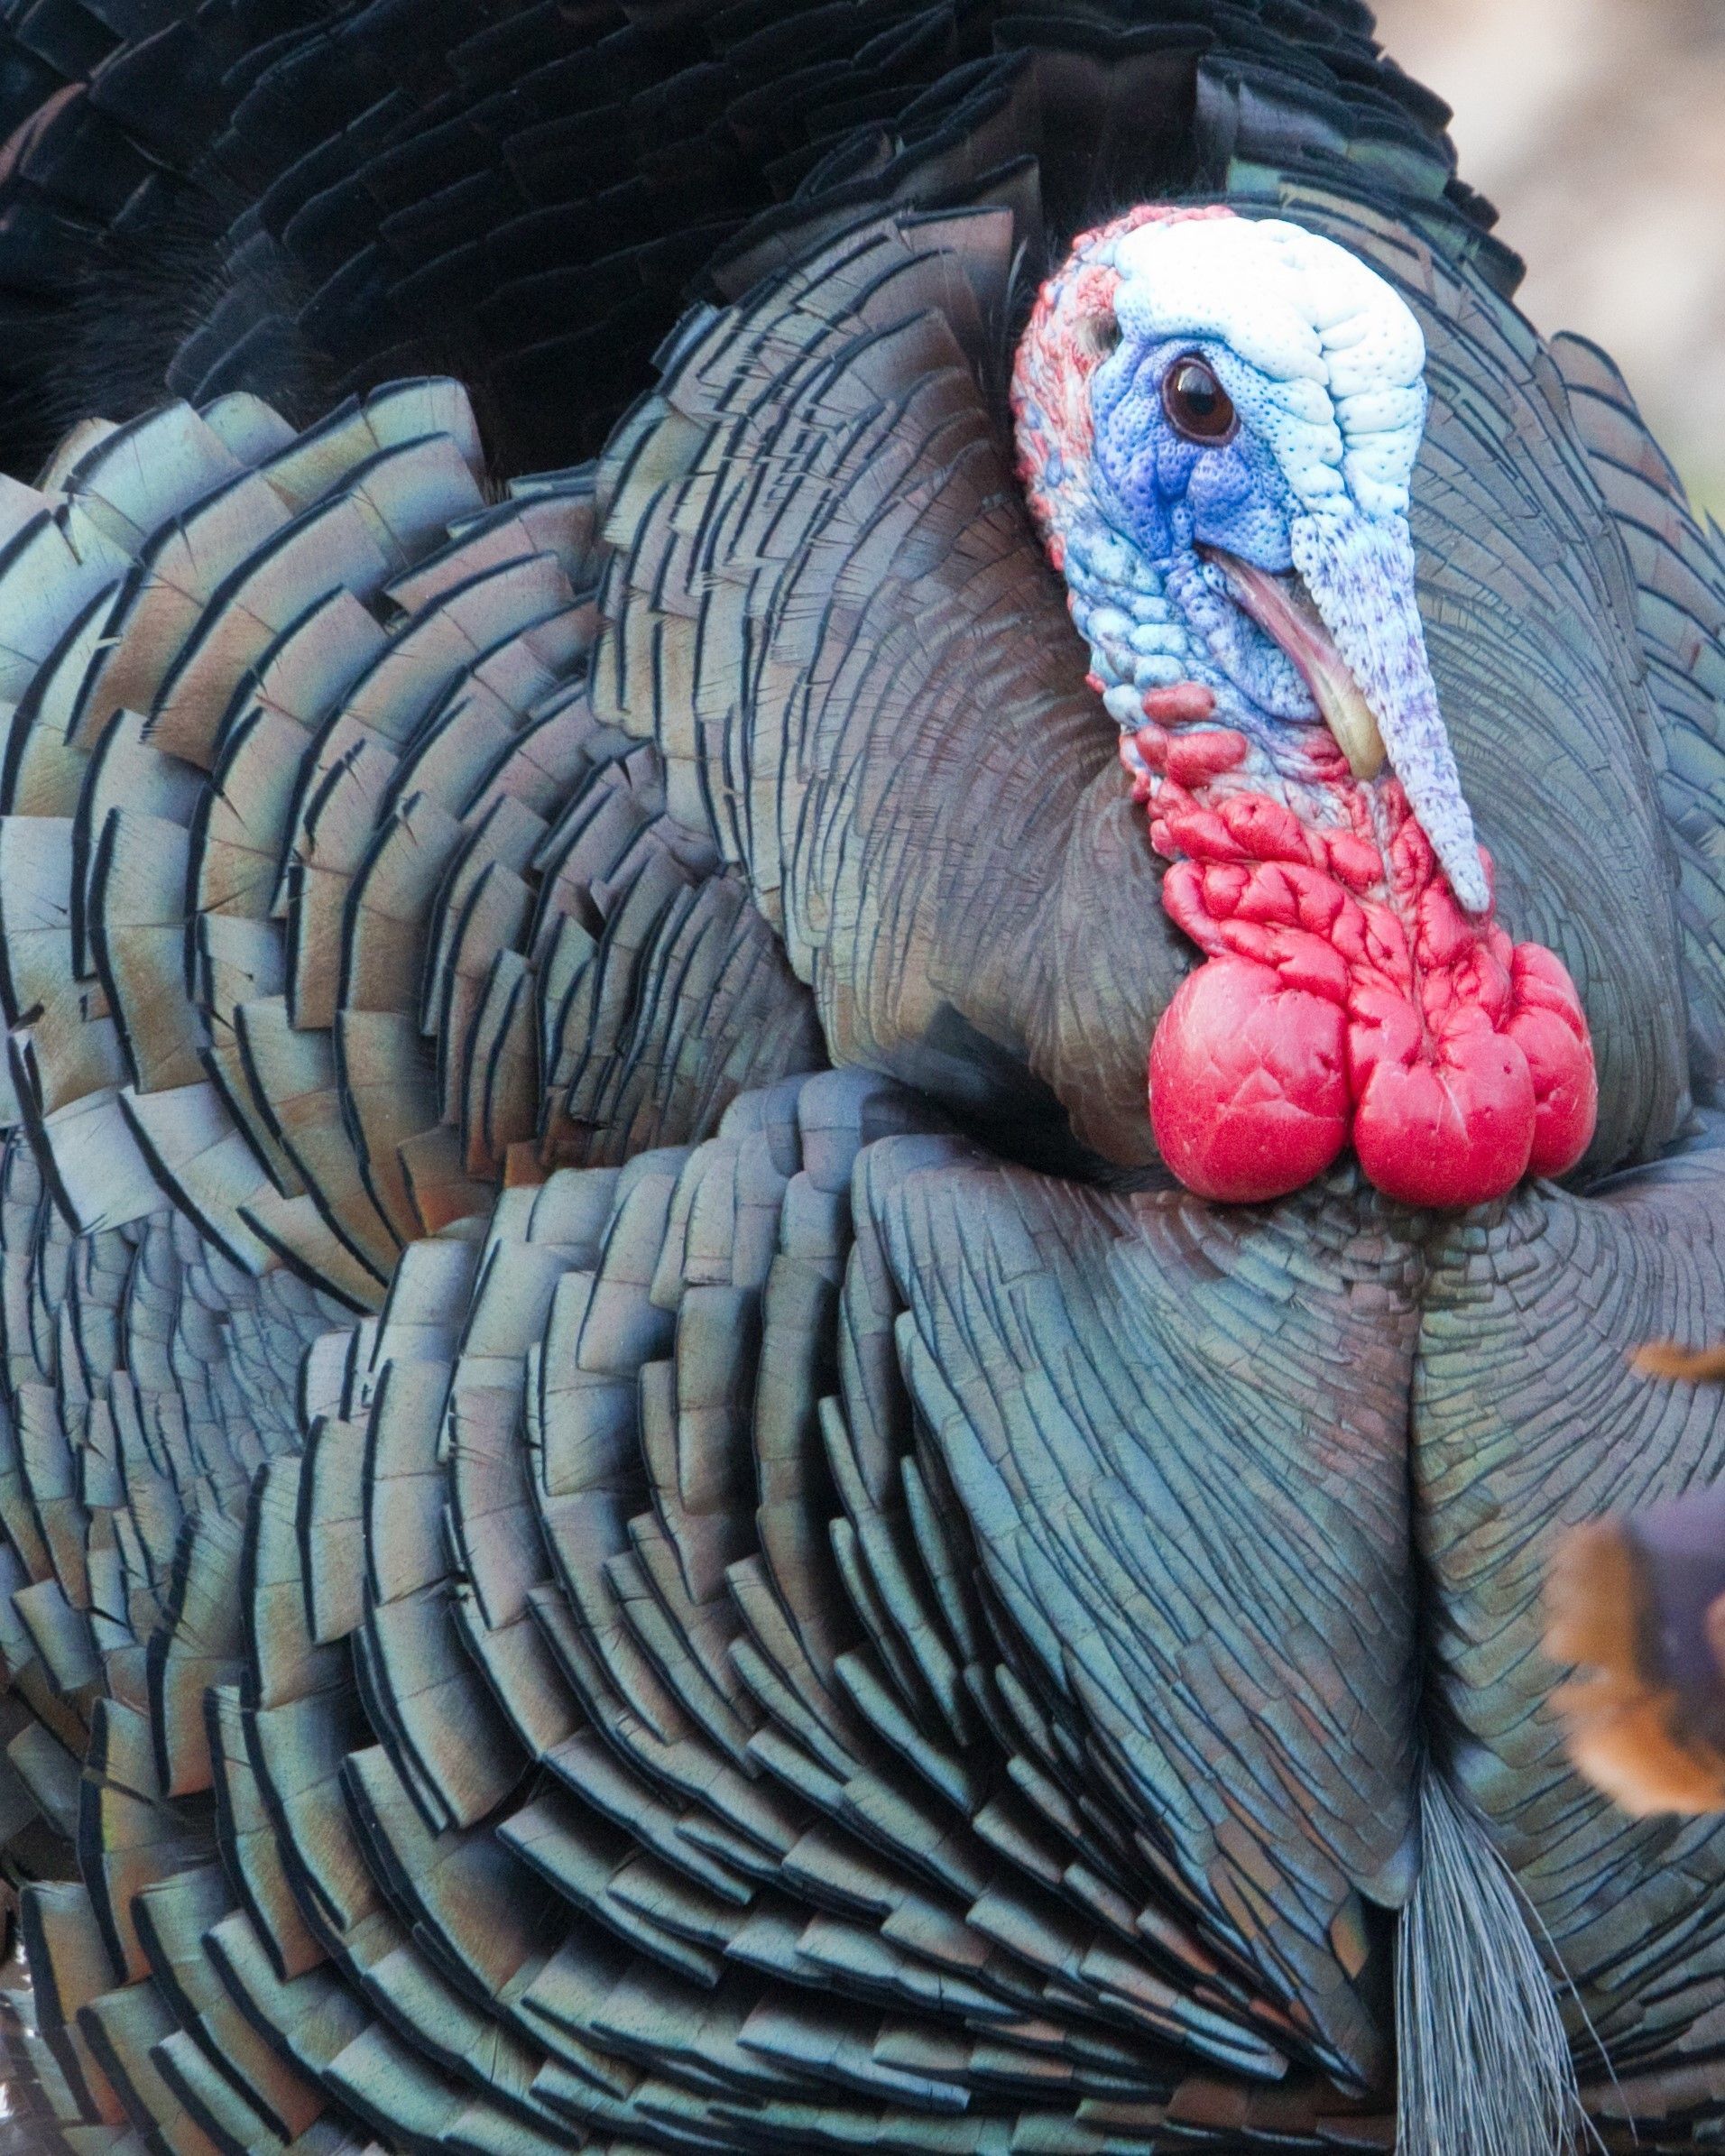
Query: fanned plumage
[[250, 798], [515, 1617]]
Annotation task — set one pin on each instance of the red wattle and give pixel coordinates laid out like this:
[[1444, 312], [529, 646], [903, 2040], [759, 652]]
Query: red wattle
[[1450, 1127], [1345, 996], [1551, 1030], [1249, 1082]]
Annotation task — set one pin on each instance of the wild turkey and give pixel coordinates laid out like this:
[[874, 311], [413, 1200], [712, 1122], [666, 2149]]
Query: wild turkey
[[636, 1516]]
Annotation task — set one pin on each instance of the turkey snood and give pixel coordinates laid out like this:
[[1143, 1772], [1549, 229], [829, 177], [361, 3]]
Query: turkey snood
[[1217, 418]]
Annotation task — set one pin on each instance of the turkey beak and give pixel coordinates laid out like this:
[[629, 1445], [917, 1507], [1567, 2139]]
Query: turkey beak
[[1350, 621], [1283, 610]]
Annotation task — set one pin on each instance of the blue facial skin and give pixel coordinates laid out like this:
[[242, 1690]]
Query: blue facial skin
[[1162, 494]]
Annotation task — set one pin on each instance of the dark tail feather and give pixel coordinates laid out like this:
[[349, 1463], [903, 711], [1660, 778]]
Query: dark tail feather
[[1484, 2063]]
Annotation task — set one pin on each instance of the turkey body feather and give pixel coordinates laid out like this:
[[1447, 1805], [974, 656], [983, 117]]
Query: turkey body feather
[[571, 1575]]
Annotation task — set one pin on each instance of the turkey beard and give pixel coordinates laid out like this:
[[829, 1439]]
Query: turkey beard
[[1344, 996]]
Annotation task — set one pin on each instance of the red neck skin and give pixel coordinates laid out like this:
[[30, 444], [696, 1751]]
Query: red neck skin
[[1344, 997]]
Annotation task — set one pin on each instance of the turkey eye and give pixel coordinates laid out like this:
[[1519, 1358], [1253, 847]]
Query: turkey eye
[[1196, 403]]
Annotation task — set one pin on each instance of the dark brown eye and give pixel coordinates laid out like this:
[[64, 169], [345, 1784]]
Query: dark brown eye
[[1196, 403]]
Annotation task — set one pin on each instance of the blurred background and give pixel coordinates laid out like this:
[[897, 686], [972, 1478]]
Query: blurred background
[[1598, 128]]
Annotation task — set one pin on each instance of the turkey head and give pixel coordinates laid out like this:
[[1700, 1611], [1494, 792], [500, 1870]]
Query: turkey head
[[1217, 423]]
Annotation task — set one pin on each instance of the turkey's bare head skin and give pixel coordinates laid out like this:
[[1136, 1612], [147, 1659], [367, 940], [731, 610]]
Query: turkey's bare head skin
[[1217, 420]]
